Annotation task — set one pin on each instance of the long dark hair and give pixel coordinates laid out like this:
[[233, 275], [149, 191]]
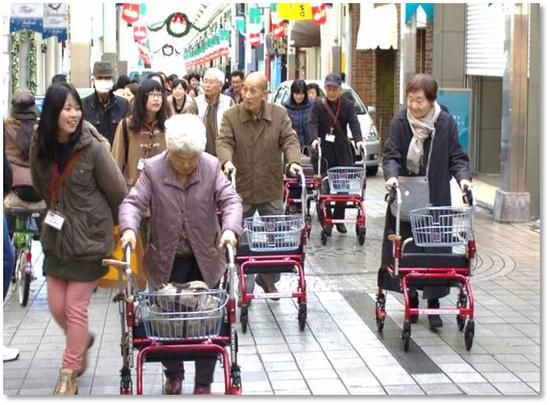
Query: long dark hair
[[54, 101], [139, 110], [298, 86]]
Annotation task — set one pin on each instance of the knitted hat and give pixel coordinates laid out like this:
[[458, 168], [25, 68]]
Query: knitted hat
[[23, 105]]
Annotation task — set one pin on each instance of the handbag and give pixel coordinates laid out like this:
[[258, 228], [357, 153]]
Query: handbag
[[415, 192]]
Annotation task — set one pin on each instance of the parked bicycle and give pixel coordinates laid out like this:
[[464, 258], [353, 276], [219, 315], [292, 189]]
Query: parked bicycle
[[25, 225]]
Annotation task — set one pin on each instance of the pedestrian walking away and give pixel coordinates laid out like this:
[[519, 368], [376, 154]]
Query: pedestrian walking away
[[103, 108], [422, 142], [74, 172], [254, 136], [185, 243]]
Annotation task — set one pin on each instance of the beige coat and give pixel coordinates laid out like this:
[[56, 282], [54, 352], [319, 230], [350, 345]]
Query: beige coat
[[144, 144], [256, 148]]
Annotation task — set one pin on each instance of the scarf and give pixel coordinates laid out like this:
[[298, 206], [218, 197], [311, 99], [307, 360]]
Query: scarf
[[421, 129], [211, 123]]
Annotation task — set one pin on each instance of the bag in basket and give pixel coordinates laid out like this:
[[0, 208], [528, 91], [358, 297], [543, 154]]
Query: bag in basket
[[415, 193]]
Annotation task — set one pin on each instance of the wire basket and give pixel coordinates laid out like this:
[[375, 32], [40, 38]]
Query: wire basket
[[184, 315], [442, 226], [345, 180], [274, 233]]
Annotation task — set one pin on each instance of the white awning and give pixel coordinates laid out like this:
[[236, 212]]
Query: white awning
[[377, 27]]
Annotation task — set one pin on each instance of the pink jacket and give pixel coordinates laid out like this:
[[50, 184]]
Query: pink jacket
[[174, 205]]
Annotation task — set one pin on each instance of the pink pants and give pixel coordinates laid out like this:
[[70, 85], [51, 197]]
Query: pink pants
[[68, 302]]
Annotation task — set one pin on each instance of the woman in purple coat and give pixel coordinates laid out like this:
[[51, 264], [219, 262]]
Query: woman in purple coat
[[183, 187]]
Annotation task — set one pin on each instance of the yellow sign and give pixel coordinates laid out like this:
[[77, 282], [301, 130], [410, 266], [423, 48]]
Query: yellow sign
[[294, 11]]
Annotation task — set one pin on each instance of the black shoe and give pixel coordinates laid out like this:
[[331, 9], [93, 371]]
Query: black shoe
[[341, 228], [434, 320], [413, 303]]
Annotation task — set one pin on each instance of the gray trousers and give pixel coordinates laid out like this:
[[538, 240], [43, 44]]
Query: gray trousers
[[268, 208]]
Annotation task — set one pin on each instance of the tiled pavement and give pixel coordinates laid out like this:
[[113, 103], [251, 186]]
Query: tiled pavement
[[340, 352]]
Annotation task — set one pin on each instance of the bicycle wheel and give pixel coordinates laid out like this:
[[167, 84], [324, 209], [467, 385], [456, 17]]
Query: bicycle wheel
[[22, 278]]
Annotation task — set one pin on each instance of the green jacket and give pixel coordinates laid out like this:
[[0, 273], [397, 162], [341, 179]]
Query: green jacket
[[89, 201]]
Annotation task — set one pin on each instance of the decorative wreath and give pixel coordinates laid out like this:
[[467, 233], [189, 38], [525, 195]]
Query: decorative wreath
[[167, 50], [175, 18]]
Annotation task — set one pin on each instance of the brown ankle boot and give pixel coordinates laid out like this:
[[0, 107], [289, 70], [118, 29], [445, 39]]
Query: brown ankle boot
[[67, 383]]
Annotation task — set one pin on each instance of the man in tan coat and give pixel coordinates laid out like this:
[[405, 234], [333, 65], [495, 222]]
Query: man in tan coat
[[252, 136]]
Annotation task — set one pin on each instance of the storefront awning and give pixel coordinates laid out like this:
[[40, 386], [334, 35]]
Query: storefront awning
[[377, 27], [305, 34]]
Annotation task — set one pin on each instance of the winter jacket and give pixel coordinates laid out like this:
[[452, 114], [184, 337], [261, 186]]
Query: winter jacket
[[89, 200], [337, 153], [147, 143], [175, 205], [299, 115], [105, 117], [20, 167], [254, 147]]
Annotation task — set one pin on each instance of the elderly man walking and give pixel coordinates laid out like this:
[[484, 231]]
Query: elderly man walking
[[252, 137], [103, 108], [211, 105]]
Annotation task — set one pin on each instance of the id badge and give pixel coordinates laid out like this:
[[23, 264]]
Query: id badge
[[141, 164], [330, 138], [54, 219]]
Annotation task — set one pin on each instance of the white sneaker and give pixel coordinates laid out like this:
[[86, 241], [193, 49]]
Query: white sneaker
[[10, 354]]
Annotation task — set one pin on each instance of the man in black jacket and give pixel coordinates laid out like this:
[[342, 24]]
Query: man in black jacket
[[103, 109], [328, 122]]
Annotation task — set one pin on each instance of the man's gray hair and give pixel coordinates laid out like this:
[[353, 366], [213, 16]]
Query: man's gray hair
[[185, 133], [216, 74]]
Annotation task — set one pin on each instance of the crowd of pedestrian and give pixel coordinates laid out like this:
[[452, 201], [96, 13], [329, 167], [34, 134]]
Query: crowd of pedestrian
[[153, 157]]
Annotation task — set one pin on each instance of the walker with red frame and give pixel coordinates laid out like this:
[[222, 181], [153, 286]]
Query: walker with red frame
[[347, 186], [441, 227], [177, 332], [274, 244], [293, 204]]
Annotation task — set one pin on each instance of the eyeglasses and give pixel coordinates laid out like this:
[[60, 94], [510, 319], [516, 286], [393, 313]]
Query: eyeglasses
[[154, 94]]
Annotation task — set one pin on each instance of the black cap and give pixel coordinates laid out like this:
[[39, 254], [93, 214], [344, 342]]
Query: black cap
[[333, 79]]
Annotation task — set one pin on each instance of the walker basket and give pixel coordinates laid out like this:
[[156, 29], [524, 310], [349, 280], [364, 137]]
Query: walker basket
[[184, 315], [442, 226], [345, 180], [274, 233]]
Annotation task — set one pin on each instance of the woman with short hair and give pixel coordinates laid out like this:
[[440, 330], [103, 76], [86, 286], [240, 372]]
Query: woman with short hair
[[179, 101], [183, 188]]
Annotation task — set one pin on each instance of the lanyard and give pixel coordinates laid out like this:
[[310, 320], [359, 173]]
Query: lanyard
[[333, 117], [57, 183]]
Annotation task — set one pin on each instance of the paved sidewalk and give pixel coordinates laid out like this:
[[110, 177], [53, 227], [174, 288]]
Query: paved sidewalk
[[340, 352]]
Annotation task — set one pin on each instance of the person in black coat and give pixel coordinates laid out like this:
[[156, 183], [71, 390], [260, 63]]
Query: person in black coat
[[328, 122], [104, 109], [406, 154]]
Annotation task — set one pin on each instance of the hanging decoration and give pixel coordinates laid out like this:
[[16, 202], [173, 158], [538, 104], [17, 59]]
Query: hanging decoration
[[16, 39], [254, 26], [177, 25], [167, 50], [319, 11], [140, 33], [277, 25], [130, 13]]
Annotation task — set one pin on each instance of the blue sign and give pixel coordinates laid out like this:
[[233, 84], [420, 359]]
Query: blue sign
[[458, 103]]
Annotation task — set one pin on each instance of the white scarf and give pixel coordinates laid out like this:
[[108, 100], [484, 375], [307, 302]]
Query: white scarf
[[421, 129]]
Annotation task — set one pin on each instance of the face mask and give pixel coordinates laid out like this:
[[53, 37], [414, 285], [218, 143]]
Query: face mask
[[103, 86]]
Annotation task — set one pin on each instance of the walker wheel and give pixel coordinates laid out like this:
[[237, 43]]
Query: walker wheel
[[302, 315], [469, 334], [406, 336]]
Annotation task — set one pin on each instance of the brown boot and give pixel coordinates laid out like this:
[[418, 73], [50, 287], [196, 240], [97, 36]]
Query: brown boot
[[67, 383]]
